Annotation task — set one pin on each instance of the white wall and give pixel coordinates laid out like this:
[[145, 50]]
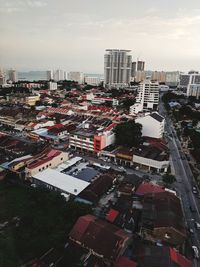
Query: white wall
[[50, 164], [151, 127], [150, 162]]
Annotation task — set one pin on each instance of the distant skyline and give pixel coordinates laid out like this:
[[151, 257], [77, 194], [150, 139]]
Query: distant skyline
[[73, 35]]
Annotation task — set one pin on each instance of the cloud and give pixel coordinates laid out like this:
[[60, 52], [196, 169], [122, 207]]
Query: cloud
[[151, 10], [81, 38], [12, 6], [36, 3]]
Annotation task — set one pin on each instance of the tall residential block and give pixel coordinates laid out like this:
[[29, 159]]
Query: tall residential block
[[133, 69], [117, 67], [172, 78], [140, 65], [49, 75], [159, 76], [12, 75], [2, 77], [76, 76], [59, 75], [147, 98]]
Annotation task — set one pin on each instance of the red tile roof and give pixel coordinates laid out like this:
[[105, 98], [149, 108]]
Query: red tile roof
[[146, 188], [110, 127], [179, 259], [46, 158], [125, 262], [103, 238], [112, 215]]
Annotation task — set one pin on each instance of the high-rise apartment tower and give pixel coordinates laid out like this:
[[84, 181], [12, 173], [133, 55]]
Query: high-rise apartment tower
[[117, 67]]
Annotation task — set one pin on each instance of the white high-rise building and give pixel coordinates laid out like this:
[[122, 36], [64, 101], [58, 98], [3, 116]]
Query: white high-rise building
[[12, 75], [193, 86], [76, 76], [193, 77], [172, 78], [117, 67], [59, 75], [2, 77], [92, 80], [52, 86], [147, 98], [49, 75], [194, 90]]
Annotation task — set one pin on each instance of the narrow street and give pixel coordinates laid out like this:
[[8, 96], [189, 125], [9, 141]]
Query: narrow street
[[185, 181]]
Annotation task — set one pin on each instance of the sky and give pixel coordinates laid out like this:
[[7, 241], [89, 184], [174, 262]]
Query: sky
[[73, 34]]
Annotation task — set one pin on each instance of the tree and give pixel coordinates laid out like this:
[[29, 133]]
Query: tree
[[54, 105], [168, 178], [128, 102], [128, 134], [38, 220]]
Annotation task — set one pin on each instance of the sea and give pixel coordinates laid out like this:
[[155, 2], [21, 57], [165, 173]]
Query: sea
[[42, 75]]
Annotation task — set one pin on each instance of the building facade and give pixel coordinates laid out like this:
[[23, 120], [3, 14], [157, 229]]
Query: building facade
[[152, 125], [159, 76], [12, 76], [147, 98], [76, 76], [140, 65], [92, 80], [187, 79], [117, 67], [172, 78], [52, 86], [92, 140], [49, 75], [193, 90]]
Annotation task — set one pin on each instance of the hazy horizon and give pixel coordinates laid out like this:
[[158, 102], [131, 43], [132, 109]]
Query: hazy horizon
[[73, 35]]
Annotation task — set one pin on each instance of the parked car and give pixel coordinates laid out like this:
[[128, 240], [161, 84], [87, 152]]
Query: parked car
[[195, 252], [191, 231], [197, 225]]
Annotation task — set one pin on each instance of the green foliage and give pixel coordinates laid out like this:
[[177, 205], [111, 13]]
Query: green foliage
[[116, 92], [128, 134], [45, 219], [128, 102], [167, 97], [169, 178]]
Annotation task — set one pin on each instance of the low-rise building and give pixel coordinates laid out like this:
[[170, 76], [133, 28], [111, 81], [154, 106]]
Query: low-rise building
[[157, 256], [152, 125], [151, 156], [49, 158], [60, 182], [162, 219], [109, 243], [91, 138], [29, 100]]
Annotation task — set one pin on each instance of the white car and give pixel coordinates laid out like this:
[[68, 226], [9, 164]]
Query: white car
[[197, 225], [195, 251]]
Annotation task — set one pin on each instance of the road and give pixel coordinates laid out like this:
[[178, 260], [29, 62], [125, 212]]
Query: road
[[185, 181]]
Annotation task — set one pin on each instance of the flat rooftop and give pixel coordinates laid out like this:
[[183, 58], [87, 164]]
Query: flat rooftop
[[62, 181]]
